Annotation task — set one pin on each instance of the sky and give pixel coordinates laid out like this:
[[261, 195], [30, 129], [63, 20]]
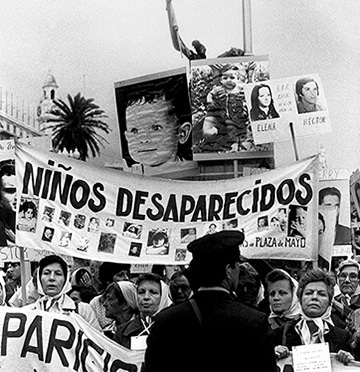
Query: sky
[[89, 45]]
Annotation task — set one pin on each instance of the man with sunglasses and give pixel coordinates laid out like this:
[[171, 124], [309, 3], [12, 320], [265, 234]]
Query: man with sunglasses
[[349, 299], [7, 202]]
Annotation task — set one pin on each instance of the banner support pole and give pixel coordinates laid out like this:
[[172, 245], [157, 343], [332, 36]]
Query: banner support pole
[[23, 275], [293, 140]]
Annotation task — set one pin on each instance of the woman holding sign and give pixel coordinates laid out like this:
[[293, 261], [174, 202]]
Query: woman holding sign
[[262, 103], [315, 293]]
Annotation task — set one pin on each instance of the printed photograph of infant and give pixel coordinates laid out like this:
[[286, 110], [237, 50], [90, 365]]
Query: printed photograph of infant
[[135, 249], [64, 218], [47, 234], [65, 239], [107, 243], [28, 212], [48, 214], [79, 221], [158, 242], [132, 230]]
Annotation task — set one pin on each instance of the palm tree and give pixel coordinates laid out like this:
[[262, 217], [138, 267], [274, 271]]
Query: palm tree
[[76, 124]]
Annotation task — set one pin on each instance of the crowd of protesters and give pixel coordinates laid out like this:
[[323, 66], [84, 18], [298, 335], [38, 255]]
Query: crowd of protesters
[[219, 306]]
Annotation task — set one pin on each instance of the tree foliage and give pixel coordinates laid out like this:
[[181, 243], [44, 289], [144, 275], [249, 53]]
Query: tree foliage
[[75, 125]]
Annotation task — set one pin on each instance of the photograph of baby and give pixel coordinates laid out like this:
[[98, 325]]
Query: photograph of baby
[[158, 242], [156, 108], [220, 115], [79, 221], [48, 214], [47, 234], [28, 212], [107, 243], [64, 218], [135, 249], [180, 254], [132, 230], [65, 239]]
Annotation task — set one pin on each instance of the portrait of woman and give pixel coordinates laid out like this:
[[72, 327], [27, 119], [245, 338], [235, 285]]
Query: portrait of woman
[[307, 95], [262, 103]]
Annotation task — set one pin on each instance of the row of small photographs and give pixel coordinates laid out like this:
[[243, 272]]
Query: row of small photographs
[[158, 243], [292, 222]]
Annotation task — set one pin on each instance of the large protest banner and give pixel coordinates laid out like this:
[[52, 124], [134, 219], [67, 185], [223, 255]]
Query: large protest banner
[[107, 215], [274, 104], [41, 341]]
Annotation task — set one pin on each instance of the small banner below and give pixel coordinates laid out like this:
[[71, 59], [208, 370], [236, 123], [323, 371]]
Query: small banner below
[[40, 341]]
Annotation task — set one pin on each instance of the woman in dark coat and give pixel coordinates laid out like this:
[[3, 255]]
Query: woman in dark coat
[[315, 293]]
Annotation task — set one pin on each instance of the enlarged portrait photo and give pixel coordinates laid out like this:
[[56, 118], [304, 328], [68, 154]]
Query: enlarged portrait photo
[[220, 113], [155, 122]]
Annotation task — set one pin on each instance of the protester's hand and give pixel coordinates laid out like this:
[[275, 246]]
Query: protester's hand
[[344, 357], [281, 351]]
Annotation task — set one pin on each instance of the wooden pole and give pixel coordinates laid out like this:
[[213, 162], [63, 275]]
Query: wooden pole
[[293, 140], [247, 30], [23, 275]]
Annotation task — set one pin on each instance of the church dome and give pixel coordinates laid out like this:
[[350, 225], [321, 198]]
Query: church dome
[[50, 81]]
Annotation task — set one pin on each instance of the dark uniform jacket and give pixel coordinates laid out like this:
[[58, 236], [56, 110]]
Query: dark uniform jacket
[[232, 337]]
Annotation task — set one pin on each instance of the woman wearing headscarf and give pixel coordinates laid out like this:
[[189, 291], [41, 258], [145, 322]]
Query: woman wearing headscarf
[[315, 293], [284, 304], [152, 295], [53, 284], [120, 305]]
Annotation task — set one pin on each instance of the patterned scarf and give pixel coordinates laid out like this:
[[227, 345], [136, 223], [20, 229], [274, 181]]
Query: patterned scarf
[[322, 324]]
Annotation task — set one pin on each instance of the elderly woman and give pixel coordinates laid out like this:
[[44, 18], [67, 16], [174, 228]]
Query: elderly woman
[[53, 286], [152, 297], [120, 305], [315, 292], [284, 304]]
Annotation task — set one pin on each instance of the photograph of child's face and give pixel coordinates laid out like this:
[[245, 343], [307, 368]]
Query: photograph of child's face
[[151, 133], [229, 79]]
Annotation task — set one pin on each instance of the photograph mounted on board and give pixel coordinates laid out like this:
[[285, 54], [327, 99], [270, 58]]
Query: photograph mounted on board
[[275, 104], [154, 116], [335, 194], [220, 115]]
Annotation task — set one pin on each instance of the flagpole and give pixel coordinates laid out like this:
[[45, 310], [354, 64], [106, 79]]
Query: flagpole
[[247, 31]]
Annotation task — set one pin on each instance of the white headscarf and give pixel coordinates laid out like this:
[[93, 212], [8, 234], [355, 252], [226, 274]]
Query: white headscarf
[[295, 307], [46, 302], [165, 300], [128, 289], [321, 322]]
